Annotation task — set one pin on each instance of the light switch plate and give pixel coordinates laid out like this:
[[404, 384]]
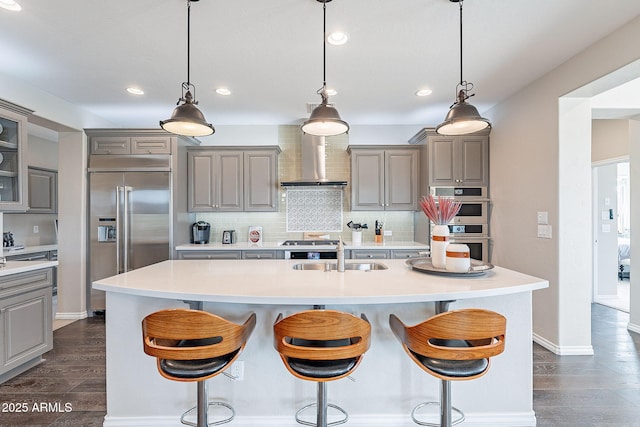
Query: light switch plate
[[543, 217], [544, 231]]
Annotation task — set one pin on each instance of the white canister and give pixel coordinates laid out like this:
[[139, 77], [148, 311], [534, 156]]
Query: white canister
[[458, 258], [356, 237], [438, 246]]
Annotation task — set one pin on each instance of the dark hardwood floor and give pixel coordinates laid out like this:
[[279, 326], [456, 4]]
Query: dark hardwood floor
[[577, 391]]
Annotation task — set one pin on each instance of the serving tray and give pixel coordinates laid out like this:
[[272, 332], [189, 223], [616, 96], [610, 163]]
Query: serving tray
[[424, 265]]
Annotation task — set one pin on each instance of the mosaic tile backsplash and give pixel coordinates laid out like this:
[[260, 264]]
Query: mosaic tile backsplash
[[314, 209]]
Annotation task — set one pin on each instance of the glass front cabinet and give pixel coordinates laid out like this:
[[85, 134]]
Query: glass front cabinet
[[13, 161]]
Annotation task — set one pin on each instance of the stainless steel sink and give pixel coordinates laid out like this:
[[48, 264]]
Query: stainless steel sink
[[329, 266]]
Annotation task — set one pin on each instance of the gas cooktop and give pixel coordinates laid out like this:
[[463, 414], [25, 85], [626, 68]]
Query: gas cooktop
[[309, 242]]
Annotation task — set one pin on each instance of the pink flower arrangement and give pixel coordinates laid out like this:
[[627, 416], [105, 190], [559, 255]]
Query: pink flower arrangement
[[442, 211]]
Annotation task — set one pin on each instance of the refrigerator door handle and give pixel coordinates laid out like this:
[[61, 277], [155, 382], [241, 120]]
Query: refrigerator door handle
[[126, 232], [118, 238]]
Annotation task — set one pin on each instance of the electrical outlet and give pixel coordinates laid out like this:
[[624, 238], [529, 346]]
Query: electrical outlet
[[388, 233], [36, 229], [237, 370]]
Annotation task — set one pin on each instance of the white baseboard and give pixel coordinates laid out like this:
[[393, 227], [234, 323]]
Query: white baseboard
[[633, 327], [524, 419], [71, 316], [586, 350]]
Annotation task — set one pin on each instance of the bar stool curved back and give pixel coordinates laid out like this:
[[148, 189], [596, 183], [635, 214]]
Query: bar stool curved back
[[193, 345], [321, 346], [453, 346]]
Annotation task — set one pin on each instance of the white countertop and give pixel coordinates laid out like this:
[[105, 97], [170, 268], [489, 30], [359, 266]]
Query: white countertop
[[275, 282], [28, 249], [13, 267], [245, 246]]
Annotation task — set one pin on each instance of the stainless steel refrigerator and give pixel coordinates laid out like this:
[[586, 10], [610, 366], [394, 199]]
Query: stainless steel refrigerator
[[137, 202], [130, 222]]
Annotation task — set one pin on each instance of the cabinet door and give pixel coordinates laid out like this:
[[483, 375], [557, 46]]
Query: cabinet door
[[230, 181], [202, 181], [442, 161], [369, 254], [210, 254], [13, 159], [401, 180], [151, 145], [474, 161], [260, 179], [43, 191], [367, 180], [110, 145]]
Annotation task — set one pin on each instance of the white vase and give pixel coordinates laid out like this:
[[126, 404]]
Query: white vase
[[439, 242]]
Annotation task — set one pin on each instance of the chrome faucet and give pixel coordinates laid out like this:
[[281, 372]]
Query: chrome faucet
[[340, 254]]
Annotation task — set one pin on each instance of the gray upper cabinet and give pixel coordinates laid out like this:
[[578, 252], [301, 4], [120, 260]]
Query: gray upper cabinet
[[43, 190], [384, 178], [459, 160], [215, 181], [233, 179], [261, 181], [13, 159], [118, 145]]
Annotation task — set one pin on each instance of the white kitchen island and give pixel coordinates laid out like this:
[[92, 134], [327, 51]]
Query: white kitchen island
[[387, 384]]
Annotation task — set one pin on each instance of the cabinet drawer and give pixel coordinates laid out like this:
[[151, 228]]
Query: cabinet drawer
[[110, 145], [150, 145], [35, 256], [210, 255], [260, 255], [24, 282], [406, 254], [369, 254]]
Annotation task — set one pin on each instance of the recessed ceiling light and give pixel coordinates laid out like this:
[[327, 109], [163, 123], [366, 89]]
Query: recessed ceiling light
[[332, 92], [133, 90], [424, 92], [10, 5], [223, 91], [337, 38]]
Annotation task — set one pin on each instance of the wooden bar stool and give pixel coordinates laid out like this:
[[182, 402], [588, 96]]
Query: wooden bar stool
[[193, 345], [321, 346], [453, 346]]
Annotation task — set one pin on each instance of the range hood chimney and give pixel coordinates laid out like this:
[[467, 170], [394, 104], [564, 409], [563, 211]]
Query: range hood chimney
[[314, 172]]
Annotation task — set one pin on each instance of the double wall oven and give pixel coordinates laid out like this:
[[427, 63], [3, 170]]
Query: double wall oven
[[471, 225]]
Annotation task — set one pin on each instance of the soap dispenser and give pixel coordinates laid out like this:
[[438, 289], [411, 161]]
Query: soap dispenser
[[340, 255]]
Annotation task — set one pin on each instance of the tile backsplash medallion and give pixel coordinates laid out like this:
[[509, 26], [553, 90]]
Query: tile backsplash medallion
[[274, 224]]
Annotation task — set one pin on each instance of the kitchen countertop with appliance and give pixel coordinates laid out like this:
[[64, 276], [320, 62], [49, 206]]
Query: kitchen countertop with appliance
[[245, 246], [234, 288]]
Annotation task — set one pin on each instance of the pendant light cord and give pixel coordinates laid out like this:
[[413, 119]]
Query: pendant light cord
[[324, 45], [188, 41], [461, 80]]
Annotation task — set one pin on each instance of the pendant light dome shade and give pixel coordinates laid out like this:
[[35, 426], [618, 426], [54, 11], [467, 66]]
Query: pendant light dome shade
[[187, 120], [325, 121], [463, 118]]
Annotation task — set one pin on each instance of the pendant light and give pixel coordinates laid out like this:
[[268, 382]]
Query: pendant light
[[187, 119], [324, 119], [462, 118]]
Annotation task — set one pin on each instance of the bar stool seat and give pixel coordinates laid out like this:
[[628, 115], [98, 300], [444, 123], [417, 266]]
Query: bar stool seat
[[321, 346], [193, 345], [452, 346]]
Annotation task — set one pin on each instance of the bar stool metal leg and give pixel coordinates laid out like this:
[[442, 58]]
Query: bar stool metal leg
[[202, 409], [321, 413]]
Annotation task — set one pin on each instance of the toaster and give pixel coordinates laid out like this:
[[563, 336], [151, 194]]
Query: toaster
[[228, 237]]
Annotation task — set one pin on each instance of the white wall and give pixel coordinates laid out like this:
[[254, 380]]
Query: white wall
[[605, 255], [609, 140], [634, 141], [526, 160]]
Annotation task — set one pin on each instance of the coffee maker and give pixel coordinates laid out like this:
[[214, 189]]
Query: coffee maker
[[200, 232]]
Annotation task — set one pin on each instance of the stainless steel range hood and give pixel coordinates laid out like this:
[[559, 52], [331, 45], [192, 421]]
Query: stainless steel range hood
[[313, 165]]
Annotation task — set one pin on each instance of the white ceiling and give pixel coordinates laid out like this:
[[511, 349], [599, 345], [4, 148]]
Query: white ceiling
[[270, 54]]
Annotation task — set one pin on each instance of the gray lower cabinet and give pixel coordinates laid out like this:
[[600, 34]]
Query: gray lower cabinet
[[43, 190], [40, 256], [210, 254], [25, 320], [266, 254], [384, 178], [370, 254], [407, 254]]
